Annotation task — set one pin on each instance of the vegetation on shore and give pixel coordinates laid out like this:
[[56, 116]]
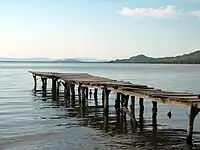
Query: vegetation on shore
[[191, 58]]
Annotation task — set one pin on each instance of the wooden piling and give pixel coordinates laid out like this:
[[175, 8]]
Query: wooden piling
[[141, 117], [117, 103], [72, 87], [106, 107], [117, 108], [132, 106], [79, 94], [154, 115], [103, 95], [125, 97], [83, 101], [66, 93], [96, 97], [90, 93], [58, 90], [44, 86], [54, 81], [35, 82], [193, 113], [86, 93]]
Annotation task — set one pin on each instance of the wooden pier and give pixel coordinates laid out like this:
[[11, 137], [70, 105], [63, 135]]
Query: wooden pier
[[125, 92]]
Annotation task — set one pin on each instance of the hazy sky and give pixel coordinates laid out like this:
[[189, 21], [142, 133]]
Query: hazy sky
[[103, 29]]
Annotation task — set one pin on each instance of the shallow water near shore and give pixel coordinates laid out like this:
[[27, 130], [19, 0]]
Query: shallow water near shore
[[30, 122]]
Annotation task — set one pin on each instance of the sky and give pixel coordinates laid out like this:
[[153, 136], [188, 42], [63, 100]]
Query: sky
[[102, 29]]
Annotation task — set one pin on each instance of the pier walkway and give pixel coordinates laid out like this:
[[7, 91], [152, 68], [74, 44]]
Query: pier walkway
[[125, 93]]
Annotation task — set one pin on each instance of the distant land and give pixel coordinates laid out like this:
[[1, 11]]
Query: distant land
[[191, 58], [68, 60]]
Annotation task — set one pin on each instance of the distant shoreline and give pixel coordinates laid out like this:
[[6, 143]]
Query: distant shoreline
[[95, 62], [191, 58]]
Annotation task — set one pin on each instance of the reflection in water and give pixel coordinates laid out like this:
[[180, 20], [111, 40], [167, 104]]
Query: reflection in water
[[123, 133]]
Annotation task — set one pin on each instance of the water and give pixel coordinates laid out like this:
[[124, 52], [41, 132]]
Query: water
[[30, 123]]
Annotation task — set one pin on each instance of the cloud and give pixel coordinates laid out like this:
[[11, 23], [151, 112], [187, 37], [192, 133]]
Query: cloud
[[169, 11], [194, 13]]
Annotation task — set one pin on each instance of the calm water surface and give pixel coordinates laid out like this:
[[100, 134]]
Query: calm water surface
[[30, 123]]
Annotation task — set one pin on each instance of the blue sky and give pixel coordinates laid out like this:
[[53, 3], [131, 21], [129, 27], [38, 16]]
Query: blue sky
[[103, 29]]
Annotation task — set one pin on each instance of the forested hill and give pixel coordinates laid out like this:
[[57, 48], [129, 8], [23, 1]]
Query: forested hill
[[191, 58]]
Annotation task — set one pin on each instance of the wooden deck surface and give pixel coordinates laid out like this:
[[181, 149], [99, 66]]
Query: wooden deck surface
[[143, 91]]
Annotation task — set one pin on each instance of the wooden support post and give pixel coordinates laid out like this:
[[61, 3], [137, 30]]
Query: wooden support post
[[122, 112], [58, 90], [193, 113], [66, 94], [106, 107], [117, 103], [72, 87], [35, 82], [154, 115], [79, 94], [141, 117], [95, 97], [90, 93], [86, 93], [44, 86], [132, 106], [117, 108], [103, 95], [125, 97], [83, 101], [54, 80]]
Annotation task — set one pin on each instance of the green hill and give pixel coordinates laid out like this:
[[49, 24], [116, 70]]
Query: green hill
[[191, 58]]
